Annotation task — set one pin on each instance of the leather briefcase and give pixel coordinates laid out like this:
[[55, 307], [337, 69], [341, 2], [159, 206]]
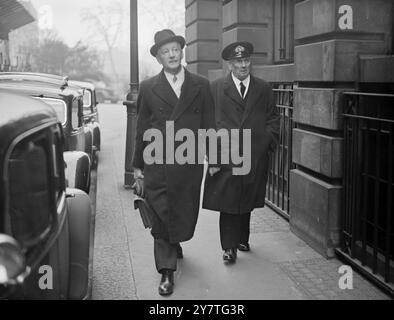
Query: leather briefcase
[[146, 211]]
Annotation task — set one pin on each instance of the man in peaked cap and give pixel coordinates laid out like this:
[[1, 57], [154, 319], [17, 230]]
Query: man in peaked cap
[[172, 190], [242, 101]]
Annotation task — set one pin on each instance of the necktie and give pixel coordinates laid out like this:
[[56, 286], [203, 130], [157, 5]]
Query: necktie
[[174, 79], [243, 89]]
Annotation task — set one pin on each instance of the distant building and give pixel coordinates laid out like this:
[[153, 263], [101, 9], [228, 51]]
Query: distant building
[[18, 34], [332, 66]]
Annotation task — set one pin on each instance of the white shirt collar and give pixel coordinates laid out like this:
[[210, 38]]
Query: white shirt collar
[[237, 83], [180, 76], [177, 85]]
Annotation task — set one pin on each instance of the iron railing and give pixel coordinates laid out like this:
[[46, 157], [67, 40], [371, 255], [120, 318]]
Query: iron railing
[[367, 223], [278, 184]]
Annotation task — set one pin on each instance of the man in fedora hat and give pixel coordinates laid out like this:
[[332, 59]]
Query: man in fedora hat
[[242, 101], [178, 98]]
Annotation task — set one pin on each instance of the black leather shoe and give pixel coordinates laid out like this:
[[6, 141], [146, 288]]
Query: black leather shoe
[[166, 286], [244, 247], [230, 255], [179, 252]]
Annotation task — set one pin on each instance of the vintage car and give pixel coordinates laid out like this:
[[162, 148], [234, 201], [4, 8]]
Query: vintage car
[[90, 115], [67, 103], [45, 228], [91, 129]]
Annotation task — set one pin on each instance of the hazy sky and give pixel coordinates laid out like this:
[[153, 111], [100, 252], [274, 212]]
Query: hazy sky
[[153, 16], [66, 17]]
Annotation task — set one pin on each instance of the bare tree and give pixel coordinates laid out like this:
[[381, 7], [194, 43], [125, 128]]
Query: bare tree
[[50, 54], [53, 56], [167, 14], [106, 23]]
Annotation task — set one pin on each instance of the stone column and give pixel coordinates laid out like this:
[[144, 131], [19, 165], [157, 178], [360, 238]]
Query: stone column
[[203, 35], [247, 20], [331, 38], [250, 21]]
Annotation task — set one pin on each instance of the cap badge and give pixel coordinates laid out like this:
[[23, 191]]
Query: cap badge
[[239, 49]]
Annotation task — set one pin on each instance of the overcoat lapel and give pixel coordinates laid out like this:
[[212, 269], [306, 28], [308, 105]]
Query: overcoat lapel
[[231, 91], [164, 91], [189, 91], [253, 96]]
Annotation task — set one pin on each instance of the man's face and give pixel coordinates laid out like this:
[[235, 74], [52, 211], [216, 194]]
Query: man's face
[[240, 67], [170, 56]]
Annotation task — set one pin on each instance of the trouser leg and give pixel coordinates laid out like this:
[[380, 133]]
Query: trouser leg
[[229, 225], [165, 255], [245, 228]]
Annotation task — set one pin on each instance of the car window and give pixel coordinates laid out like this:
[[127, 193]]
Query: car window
[[87, 99], [29, 189], [59, 106], [76, 123]]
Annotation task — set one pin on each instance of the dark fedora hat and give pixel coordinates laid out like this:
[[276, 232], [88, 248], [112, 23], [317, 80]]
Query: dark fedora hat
[[165, 36], [237, 50]]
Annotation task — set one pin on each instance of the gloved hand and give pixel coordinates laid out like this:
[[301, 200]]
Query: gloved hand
[[138, 186]]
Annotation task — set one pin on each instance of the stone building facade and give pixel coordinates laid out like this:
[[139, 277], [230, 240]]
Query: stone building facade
[[322, 49], [18, 34]]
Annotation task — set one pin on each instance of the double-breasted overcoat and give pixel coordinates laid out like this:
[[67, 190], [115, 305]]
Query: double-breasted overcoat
[[173, 189], [239, 194]]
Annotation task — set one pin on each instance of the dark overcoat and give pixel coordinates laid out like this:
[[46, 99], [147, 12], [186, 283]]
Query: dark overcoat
[[173, 190], [239, 194]]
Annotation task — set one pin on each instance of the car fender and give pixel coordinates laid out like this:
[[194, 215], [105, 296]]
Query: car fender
[[77, 170], [96, 136], [79, 219], [89, 141]]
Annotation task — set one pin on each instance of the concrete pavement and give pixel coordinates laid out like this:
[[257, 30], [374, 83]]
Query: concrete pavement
[[280, 265]]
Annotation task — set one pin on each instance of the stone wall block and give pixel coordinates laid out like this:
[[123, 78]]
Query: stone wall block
[[317, 152], [315, 208]]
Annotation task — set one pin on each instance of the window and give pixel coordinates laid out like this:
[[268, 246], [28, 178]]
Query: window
[[29, 176], [87, 102], [284, 31], [75, 114], [60, 108], [87, 98]]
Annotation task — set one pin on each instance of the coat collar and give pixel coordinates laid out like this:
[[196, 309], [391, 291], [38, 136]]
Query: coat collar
[[231, 91], [163, 90], [189, 91], [254, 94]]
